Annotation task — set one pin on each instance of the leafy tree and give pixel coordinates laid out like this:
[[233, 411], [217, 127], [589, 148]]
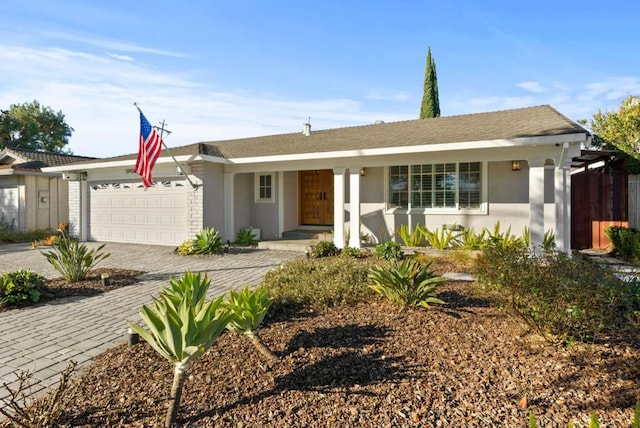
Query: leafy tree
[[34, 127], [430, 102], [619, 129]]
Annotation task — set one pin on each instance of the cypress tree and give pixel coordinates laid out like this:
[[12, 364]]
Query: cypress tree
[[430, 102]]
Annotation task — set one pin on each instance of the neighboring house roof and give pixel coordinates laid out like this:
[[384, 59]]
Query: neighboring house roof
[[540, 121], [16, 159]]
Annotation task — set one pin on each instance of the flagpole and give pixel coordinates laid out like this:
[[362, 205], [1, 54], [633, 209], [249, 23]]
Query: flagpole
[[162, 131]]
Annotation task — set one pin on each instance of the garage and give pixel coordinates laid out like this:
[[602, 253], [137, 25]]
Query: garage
[[9, 211], [126, 212]]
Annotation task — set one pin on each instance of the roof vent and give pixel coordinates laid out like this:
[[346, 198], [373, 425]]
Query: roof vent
[[378, 122], [306, 127]]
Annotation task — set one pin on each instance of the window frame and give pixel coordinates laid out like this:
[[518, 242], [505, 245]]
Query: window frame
[[482, 209], [257, 186]]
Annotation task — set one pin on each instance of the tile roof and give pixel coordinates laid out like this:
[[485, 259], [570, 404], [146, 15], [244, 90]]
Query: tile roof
[[506, 124], [35, 160]]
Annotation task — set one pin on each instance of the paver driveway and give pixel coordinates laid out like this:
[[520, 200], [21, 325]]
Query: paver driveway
[[44, 338]]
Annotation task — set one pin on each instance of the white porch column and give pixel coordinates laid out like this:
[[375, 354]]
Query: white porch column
[[536, 202], [338, 207], [354, 206], [229, 212], [280, 197], [562, 200]]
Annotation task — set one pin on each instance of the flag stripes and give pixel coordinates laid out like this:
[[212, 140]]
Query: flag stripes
[[148, 152]]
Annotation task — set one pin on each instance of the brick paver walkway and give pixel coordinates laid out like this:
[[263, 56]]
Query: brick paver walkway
[[44, 338]]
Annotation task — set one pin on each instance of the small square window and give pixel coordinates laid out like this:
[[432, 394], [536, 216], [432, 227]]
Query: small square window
[[264, 187]]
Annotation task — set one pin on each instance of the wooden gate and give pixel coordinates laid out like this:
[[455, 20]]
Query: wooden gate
[[598, 200]]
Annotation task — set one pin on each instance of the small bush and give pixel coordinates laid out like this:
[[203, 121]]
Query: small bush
[[406, 283], [506, 240], [186, 248], [324, 249], [411, 239], [246, 237], [319, 283], [73, 260], [389, 250], [208, 241], [350, 252], [568, 297], [19, 286], [21, 408], [470, 240], [441, 239], [626, 241]]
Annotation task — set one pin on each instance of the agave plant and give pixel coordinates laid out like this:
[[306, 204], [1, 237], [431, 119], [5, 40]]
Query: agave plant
[[248, 309], [208, 241], [406, 283], [182, 326]]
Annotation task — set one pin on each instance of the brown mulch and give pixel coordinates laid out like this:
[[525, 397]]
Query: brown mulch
[[466, 364], [57, 288]]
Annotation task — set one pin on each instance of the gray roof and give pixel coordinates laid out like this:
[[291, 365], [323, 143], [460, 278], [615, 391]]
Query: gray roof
[[35, 160], [506, 124]]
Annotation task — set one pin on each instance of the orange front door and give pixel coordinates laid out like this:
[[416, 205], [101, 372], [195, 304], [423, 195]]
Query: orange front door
[[316, 197]]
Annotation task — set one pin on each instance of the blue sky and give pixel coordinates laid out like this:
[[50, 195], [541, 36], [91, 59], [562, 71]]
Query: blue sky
[[226, 69]]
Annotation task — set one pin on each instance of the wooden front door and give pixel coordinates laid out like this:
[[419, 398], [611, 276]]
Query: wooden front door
[[316, 197]]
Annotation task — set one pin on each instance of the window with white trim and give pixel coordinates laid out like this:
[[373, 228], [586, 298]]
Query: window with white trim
[[263, 184], [436, 186]]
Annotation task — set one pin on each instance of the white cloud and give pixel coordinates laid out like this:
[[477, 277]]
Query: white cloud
[[535, 87], [96, 94], [121, 57]]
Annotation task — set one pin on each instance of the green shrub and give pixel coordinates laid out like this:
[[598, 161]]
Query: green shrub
[[411, 239], [324, 249], [567, 297], [73, 260], [208, 241], [470, 240], [506, 240], [406, 283], [186, 248], [246, 237], [441, 239], [626, 241], [319, 283], [18, 286], [350, 252], [389, 250]]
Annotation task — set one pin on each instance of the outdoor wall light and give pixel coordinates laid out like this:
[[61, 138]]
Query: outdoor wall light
[[515, 165], [363, 172]]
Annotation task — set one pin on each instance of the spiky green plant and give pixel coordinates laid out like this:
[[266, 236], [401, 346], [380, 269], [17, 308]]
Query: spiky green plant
[[246, 237], [413, 238], [406, 283], [73, 260], [441, 239], [470, 240], [505, 240], [182, 326], [208, 241], [248, 309]]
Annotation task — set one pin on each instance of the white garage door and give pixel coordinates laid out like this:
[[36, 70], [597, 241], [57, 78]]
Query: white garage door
[[125, 212], [9, 211]]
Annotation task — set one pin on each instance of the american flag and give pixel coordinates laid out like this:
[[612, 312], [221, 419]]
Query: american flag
[[150, 147]]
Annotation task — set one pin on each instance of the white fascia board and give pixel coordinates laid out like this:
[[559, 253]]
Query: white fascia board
[[125, 163], [443, 147]]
